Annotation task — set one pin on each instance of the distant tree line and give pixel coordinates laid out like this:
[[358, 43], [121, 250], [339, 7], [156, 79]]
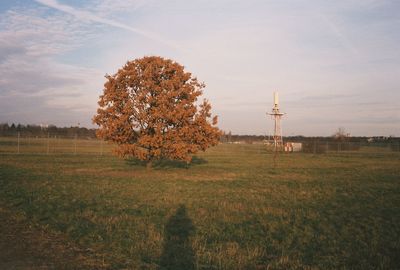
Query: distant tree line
[[44, 131]]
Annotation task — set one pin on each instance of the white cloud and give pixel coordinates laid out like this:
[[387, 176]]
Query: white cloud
[[30, 42], [106, 8], [88, 16]]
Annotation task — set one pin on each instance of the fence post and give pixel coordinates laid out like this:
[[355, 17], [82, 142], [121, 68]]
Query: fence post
[[315, 147], [75, 144], [18, 143], [48, 142]]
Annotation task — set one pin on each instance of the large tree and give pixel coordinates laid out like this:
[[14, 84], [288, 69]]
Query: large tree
[[150, 109]]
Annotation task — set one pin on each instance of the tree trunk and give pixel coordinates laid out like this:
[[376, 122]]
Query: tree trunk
[[149, 164]]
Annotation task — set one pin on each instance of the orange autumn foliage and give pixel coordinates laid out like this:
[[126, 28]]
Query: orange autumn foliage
[[149, 110]]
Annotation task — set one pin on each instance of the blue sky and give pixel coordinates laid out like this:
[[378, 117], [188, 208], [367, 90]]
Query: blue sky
[[334, 63]]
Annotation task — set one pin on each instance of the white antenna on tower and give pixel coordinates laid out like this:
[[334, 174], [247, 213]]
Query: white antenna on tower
[[277, 115]]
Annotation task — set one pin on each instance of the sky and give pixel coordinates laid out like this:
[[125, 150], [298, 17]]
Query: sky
[[334, 63]]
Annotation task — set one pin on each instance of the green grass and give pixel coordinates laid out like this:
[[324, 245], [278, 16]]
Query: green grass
[[233, 209]]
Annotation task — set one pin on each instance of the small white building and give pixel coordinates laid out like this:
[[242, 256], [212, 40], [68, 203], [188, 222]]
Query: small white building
[[293, 147]]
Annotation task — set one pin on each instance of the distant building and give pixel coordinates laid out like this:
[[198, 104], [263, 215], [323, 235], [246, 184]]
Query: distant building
[[293, 147]]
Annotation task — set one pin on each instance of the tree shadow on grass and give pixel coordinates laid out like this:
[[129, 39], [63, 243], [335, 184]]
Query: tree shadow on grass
[[168, 163], [178, 253]]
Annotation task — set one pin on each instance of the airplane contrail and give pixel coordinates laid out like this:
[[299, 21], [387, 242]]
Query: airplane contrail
[[335, 30], [88, 16], [339, 34]]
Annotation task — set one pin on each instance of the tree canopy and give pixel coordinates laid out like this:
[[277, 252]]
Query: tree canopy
[[150, 109]]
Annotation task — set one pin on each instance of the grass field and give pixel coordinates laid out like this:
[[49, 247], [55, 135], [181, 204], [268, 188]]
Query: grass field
[[233, 208]]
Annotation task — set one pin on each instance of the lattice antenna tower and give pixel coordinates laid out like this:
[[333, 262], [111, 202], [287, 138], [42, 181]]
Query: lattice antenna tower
[[277, 116]]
